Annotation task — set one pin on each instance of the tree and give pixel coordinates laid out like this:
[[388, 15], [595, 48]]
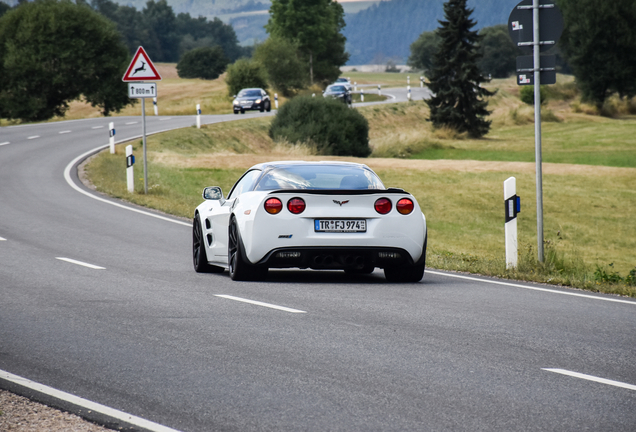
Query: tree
[[160, 17], [245, 73], [285, 71], [315, 26], [499, 53], [206, 63], [599, 41], [455, 79], [423, 50], [53, 52], [4, 8]]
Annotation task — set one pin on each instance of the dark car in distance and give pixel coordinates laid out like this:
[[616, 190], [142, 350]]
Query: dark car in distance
[[338, 91], [252, 99]]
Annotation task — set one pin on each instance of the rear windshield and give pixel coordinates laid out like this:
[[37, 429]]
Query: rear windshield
[[319, 177]]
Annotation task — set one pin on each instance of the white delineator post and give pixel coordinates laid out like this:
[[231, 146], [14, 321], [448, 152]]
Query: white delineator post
[[421, 82], [511, 201], [276, 100], [379, 90], [409, 95], [111, 133], [198, 116], [130, 176], [355, 86], [154, 102], [361, 95]]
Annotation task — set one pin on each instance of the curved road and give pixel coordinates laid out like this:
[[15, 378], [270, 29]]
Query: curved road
[[140, 332]]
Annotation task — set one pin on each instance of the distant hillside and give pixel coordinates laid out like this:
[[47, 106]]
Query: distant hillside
[[386, 30]]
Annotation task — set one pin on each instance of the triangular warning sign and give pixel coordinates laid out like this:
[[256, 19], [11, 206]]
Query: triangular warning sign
[[141, 68]]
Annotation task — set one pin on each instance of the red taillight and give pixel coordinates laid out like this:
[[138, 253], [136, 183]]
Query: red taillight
[[404, 206], [383, 206], [296, 205], [273, 206]]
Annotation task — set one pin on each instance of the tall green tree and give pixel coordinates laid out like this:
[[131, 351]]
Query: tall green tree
[[53, 52], [423, 50], [315, 26], [285, 71], [458, 99], [599, 41], [499, 53]]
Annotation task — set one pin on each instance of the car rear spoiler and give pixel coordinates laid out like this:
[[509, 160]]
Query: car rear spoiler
[[340, 191]]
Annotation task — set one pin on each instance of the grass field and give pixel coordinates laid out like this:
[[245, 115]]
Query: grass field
[[589, 182]]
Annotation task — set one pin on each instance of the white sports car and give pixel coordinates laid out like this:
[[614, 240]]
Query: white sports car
[[318, 215]]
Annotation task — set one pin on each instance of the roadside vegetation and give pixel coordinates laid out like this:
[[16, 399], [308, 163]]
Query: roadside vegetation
[[589, 177]]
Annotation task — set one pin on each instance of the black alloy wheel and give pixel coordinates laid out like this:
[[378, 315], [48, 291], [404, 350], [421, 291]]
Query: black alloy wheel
[[239, 269], [199, 257]]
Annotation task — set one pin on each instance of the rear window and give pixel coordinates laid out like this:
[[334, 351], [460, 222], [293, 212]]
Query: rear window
[[319, 177]]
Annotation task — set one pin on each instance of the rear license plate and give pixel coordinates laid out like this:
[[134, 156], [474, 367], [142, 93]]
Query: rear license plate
[[340, 225]]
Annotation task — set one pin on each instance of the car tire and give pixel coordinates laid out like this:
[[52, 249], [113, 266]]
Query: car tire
[[236, 112], [262, 108], [199, 257], [269, 106], [409, 273], [239, 268], [242, 111], [412, 273]]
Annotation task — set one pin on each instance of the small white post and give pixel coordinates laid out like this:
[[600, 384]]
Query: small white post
[[408, 80], [276, 100], [130, 176], [154, 102], [355, 86], [313, 95], [511, 204], [379, 90], [198, 116], [409, 94], [361, 95], [421, 82], [111, 133]]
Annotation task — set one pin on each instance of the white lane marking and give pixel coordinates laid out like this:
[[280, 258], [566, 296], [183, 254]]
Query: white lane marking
[[167, 118], [533, 288], [592, 378], [67, 177], [97, 127], [64, 132], [85, 403], [129, 123], [254, 302], [72, 261], [33, 137], [5, 143]]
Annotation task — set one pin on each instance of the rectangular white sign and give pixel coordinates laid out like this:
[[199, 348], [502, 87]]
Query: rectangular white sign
[[142, 90]]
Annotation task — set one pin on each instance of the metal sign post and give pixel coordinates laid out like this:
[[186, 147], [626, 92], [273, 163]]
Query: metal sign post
[[142, 69], [546, 21]]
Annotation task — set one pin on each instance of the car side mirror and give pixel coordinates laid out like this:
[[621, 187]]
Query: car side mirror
[[213, 193]]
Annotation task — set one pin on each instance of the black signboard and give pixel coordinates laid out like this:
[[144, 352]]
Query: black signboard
[[520, 25], [525, 70]]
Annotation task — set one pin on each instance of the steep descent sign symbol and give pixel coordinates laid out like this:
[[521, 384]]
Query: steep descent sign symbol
[[141, 68]]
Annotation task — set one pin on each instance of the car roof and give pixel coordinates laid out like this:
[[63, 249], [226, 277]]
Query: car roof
[[279, 164]]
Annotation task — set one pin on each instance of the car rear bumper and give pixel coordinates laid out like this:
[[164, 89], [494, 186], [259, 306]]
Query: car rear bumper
[[317, 257]]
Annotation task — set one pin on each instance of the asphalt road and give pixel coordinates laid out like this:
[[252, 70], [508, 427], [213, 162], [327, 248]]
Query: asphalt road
[[144, 334]]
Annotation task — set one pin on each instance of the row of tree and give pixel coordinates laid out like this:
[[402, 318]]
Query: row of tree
[[165, 34]]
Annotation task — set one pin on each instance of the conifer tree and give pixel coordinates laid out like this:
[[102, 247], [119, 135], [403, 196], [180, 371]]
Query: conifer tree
[[455, 79]]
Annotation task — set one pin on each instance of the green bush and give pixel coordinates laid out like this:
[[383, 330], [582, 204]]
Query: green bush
[[527, 94], [329, 124], [245, 73], [205, 62]]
